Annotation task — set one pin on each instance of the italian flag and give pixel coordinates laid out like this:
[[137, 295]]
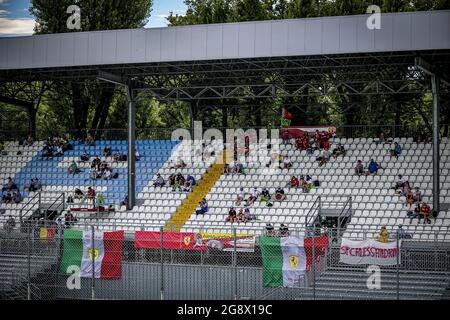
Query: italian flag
[[106, 253], [285, 260]]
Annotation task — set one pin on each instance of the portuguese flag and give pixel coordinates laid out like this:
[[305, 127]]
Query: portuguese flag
[[106, 253], [286, 260]]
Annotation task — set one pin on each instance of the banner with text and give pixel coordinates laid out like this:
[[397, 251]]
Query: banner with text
[[369, 251]]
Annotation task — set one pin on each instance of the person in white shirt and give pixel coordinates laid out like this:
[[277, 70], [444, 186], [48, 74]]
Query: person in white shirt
[[287, 164], [252, 198], [240, 197]]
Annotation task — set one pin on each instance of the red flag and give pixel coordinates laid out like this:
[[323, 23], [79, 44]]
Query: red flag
[[287, 114], [112, 260]]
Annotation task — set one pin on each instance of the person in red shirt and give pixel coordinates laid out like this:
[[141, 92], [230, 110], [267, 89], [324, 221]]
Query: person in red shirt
[[295, 183], [91, 194], [425, 210]]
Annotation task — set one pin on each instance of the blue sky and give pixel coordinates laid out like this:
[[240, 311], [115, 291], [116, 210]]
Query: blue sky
[[15, 20]]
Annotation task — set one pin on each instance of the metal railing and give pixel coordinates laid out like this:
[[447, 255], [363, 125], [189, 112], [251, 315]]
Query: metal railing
[[30, 201], [312, 212]]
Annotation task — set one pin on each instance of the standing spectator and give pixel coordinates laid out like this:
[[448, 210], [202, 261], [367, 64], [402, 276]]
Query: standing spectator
[[384, 235]]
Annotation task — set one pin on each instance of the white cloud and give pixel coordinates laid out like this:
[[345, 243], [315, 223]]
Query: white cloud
[[21, 26]]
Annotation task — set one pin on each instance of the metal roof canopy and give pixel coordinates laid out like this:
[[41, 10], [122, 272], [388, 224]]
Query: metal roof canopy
[[253, 59]]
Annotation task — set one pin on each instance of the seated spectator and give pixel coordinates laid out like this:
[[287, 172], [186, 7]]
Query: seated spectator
[[359, 168], [190, 183], [269, 230], [339, 151], [203, 207], [425, 212], [16, 197], [252, 198], [107, 174], [240, 216], [324, 157], [29, 141], [9, 224], [69, 219], [96, 163], [400, 182], [137, 155], [107, 151], [179, 181], [265, 196], [406, 188], [84, 157], [373, 167], [10, 185], [73, 168], [232, 217], [309, 183], [159, 182], [295, 183], [402, 233], [91, 194], [59, 151], [117, 156], [287, 163], [240, 168], [180, 164], [414, 214], [247, 214], [89, 140], [94, 174], [384, 235], [7, 198], [279, 195], [124, 202], [78, 194], [283, 231], [417, 195], [396, 151], [303, 185], [47, 152], [171, 180], [240, 196], [36, 185]]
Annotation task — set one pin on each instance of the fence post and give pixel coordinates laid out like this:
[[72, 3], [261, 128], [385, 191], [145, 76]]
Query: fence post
[[398, 267], [314, 264], [93, 262], [235, 265], [161, 230], [29, 263]]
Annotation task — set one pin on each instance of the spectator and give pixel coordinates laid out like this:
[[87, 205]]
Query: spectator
[[91, 194], [283, 231], [73, 168], [279, 195], [9, 224], [247, 215], [190, 183], [402, 233], [324, 157], [269, 230], [16, 197], [159, 182], [30, 140], [107, 174], [117, 156], [417, 195], [240, 168], [382, 137], [100, 199], [409, 197], [414, 214], [384, 235], [10, 185], [303, 185], [94, 174], [373, 167], [180, 164], [124, 202], [89, 140], [339, 151], [309, 183], [59, 151], [405, 189], [359, 168], [137, 156], [240, 196], [397, 150], [179, 181], [69, 219], [400, 182], [36, 185], [231, 215], [287, 163], [84, 157], [295, 183], [252, 198], [78, 194], [240, 216], [107, 151], [172, 181], [203, 207], [265, 196], [7, 198], [227, 169], [425, 211]]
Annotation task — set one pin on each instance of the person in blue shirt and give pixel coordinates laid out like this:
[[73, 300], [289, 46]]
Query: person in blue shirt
[[203, 207], [397, 150], [190, 183], [373, 167]]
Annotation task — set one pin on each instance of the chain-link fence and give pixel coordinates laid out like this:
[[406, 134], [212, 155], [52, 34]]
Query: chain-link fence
[[83, 262]]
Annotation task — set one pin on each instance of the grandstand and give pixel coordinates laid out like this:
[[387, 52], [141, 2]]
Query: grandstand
[[223, 62]]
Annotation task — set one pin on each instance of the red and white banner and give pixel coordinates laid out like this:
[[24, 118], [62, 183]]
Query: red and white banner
[[299, 132], [369, 252], [193, 241]]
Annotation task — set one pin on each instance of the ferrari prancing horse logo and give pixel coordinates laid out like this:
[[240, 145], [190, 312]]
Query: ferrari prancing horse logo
[[293, 262], [187, 240], [95, 253]]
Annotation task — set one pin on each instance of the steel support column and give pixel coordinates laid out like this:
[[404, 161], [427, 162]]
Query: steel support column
[[436, 141], [131, 147]]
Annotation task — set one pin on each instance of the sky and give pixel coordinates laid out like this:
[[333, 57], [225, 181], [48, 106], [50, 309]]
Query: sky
[[15, 19]]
